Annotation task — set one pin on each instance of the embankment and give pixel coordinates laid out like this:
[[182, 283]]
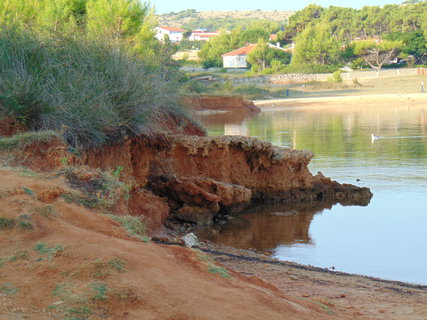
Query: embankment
[[201, 177]]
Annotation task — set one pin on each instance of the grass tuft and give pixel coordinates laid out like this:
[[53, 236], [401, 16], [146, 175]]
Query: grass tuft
[[8, 288], [6, 223], [50, 252], [20, 141], [219, 270], [117, 264], [133, 225], [47, 211]]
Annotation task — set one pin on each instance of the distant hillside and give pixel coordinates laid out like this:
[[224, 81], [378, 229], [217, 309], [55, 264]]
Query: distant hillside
[[213, 20]]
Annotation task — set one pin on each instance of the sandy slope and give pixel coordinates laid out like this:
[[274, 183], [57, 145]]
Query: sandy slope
[[79, 275]]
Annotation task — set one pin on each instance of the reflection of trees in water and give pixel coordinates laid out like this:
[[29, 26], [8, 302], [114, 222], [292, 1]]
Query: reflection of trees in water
[[343, 130]]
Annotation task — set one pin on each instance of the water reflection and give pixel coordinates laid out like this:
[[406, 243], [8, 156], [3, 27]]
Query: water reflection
[[263, 226], [385, 239]]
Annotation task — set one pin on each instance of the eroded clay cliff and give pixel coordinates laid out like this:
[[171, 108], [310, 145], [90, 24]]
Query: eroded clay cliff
[[199, 177]]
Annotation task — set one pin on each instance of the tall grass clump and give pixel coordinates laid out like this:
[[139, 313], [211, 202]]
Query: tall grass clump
[[89, 91]]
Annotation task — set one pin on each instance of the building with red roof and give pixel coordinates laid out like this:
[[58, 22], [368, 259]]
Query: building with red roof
[[237, 58], [202, 35], [174, 34]]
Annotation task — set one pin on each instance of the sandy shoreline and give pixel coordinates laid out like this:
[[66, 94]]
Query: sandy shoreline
[[340, 295], [346, 100]]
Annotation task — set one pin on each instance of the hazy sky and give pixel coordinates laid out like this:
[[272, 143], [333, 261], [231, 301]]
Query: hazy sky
[[164, 6]]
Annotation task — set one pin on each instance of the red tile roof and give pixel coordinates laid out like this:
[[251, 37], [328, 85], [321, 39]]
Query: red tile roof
[[241, 51], [206, 35], [173, 29]]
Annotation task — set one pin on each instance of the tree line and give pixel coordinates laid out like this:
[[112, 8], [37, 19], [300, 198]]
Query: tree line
[[336, 36]]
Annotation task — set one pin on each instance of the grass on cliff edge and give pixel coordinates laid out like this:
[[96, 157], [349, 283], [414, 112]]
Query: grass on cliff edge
[[22, 140], [91, 92]]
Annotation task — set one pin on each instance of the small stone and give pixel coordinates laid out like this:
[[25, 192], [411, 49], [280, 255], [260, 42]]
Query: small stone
[[305, 295], [190, 240], [342, 295]]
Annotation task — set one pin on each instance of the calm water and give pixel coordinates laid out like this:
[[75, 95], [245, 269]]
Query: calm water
[[387, 238]]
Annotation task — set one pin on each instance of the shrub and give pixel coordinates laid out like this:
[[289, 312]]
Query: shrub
[[336, 77], [90, 92]]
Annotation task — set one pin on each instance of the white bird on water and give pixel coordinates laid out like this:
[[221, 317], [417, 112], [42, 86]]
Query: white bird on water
[[374, 137]]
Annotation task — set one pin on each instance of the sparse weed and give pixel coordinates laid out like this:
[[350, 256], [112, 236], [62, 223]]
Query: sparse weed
[[100, 270], [99, 291], [28, 191], [116, 172], [50, 252], [8, 288], [6, 223], [133, 225], [219, 270], [19, 254], [47, 211], [25, 225], [117, 264]]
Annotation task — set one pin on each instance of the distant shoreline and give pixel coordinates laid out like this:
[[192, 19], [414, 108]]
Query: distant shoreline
[[346, 100]]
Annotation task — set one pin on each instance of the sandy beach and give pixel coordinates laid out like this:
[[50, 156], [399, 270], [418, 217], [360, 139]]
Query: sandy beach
[[359, 100]]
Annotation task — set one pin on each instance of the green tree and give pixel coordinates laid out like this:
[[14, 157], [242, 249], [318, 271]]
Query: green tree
[[260, 58], [375, 54], [253, 35], [300, 20], [414, 42], [316, 45], [116, 19], [211, 53]]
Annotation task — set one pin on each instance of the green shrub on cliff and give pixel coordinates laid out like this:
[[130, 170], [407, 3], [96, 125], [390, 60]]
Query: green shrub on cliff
[[88, 91]]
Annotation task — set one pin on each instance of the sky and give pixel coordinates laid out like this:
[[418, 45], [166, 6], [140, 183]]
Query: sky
[[165, 6]]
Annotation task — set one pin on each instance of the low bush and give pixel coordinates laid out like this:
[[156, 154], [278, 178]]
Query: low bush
[[90, 92]]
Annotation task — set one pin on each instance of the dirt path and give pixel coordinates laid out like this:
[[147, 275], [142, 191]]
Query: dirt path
[[340, 295]]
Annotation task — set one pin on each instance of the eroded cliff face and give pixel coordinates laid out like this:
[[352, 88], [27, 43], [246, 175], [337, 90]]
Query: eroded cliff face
[[201, 177]]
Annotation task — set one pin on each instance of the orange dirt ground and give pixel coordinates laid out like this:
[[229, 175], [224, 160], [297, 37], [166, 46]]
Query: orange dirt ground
[[97, 271], [87, 267]]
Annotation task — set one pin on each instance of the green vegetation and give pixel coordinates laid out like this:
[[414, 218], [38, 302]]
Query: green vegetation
[[47, 211], [102, 191], [8, 288], [7, 223], [377, 54], [219, 270], [117, 264], [23, 223], [89, 70], [133, 225], [20, 141], [18, 255], [265, 59], [51, 252], [328, 38]]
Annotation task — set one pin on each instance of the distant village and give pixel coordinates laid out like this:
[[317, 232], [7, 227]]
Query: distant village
[[235, 59]]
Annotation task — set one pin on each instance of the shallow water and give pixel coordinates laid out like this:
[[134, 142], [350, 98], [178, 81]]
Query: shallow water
[[387, 238]]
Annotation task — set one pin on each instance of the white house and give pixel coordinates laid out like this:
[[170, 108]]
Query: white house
[[174, 34], [202, 35], [237, 58]]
